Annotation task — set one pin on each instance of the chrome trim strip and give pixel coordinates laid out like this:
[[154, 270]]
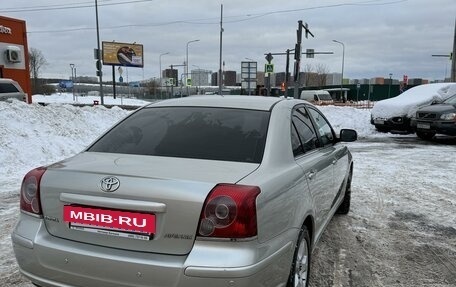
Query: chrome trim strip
[[117, 203]]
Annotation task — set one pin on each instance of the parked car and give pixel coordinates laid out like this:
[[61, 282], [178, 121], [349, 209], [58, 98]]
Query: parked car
[[397, 113], [317, 97], [198, 191], [437, 119], [10, 89]]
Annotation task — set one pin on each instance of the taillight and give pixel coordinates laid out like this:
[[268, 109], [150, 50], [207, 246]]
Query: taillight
[[30, 191], [229, 212]]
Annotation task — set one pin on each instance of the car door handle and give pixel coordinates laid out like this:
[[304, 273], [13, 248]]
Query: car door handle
[[334, 161], [311, 174]]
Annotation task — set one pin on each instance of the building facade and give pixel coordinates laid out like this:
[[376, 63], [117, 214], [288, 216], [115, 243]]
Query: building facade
[[200, 77], [14, 56]]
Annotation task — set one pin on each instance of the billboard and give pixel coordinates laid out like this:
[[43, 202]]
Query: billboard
[[123, 54]]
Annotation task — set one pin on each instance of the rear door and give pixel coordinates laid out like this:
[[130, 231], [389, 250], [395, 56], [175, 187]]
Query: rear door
[[316, 164], [335, 154]]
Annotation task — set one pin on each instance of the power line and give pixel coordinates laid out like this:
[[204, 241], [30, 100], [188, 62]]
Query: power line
[[213, 20], [67, 7]]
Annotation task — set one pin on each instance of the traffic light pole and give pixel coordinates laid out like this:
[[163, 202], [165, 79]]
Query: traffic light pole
[[291, 51], [298, 50], [268, 84]]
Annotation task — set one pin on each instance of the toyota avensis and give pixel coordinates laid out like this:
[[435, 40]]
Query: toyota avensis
[[200, 191]]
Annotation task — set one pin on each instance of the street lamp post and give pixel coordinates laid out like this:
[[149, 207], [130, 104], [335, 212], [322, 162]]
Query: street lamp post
[[389, 87], [72, 77], [186, 62], [343, 62], [160, 67]]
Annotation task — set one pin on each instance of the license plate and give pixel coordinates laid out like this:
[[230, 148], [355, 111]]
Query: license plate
[[423, 125], [116, 221], [379, 122]]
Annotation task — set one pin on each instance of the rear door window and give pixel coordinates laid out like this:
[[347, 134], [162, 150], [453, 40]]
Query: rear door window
[[190, 132], [303, 136], [324, 130]]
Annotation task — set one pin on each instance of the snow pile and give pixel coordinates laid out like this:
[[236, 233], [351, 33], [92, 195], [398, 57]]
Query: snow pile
[[68, 98], [34, 135], [409, 101], [350, 118]]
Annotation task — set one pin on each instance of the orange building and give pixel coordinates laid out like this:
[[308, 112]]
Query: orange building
[[14, 57]]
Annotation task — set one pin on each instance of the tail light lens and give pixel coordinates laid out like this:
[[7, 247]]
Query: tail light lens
[[30, 191], [229, 212]]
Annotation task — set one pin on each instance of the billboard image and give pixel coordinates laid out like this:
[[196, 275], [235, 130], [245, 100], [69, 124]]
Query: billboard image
[[123, 54]]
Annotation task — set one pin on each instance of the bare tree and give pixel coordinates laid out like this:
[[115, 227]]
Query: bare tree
[[36, 61], [322, 73], [152, 87], [308, 70]]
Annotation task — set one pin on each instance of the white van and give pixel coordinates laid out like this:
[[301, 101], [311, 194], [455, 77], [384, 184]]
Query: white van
[[317, 97]]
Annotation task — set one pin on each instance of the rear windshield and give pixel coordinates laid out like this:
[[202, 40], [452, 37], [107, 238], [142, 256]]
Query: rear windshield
[[8, 88], [190, 132]]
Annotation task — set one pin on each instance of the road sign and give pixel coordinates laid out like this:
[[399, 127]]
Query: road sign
[[269, 68], [358, 85], [269, 57], [189, 82]]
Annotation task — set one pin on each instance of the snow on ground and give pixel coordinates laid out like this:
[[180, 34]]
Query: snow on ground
[[400, 231], [68, 98]]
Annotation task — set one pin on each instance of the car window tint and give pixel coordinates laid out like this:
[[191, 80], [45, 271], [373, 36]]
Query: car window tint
[[190, 132], [324, 129], [8, 88], [306, 133], [295, 142]]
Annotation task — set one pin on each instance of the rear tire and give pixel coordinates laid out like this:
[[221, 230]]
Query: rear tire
[[344, 207], [425, 135], [300, 268]]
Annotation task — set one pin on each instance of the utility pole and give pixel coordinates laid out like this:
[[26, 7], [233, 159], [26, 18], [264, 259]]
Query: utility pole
[[453, 56], [268, 84], [99, 67], [220, 81], [298, 50]]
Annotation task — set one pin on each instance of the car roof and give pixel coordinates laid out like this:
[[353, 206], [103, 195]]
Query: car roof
[[4, 80], [226, 101]]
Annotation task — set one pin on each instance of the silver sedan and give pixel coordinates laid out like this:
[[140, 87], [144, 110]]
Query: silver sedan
[[200, 191]]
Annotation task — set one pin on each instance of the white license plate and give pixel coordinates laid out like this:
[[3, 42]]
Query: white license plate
[[379, 122], [423, 126]]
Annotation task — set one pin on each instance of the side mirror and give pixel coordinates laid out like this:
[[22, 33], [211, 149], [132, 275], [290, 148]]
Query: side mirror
[[348, 135]]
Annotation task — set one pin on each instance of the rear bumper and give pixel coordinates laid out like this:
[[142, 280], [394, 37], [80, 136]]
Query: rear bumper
[[49, 261]]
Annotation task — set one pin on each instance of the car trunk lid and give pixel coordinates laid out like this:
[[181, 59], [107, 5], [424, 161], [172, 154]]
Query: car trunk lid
[[168, 191]]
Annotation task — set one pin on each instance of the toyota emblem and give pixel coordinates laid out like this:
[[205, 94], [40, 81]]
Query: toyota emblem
[[110, 184]]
